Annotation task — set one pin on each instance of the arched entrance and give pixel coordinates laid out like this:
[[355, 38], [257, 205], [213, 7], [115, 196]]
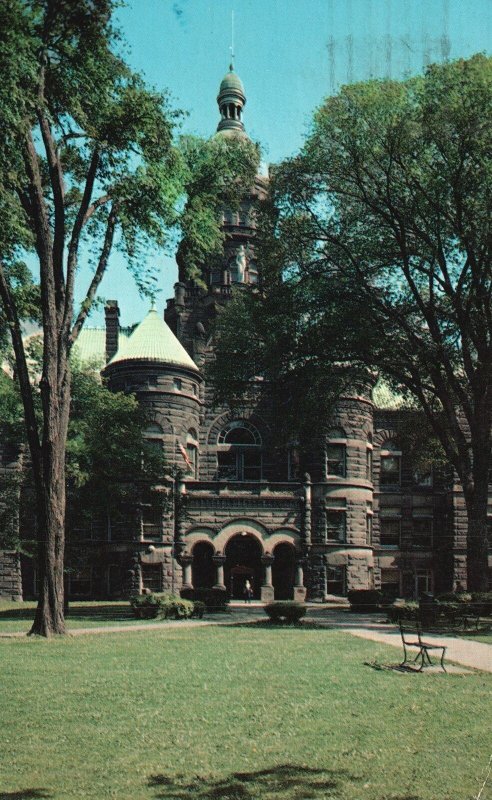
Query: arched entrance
[[243, 562], [283, 571], [203, 569]]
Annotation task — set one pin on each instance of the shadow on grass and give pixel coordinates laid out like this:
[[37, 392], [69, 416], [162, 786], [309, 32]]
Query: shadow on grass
[[286, 782], [25, 794], [95, 613]]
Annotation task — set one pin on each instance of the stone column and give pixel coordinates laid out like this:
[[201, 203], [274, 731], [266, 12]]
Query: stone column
[[299, 588], [219, 561], [307, 508], [267, 593], [186, 562]]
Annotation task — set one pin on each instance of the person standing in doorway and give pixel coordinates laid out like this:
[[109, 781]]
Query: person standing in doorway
[[248, 590]]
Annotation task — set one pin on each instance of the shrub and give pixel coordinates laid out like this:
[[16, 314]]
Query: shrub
[[166, 606], [365, 599], [199, 608], [285, 612], [455, 597], [173, 607], [215, 599], [145, 606], [403, 610], [452, 610], [482, 603]]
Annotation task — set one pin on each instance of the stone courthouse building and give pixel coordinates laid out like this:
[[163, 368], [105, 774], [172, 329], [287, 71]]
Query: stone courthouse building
[[347, 513]]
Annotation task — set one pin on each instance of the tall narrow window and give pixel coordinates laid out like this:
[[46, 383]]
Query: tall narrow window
[[336, 453], [369, 463], [336, 526], [390, 465], [151, 523], [390, 530], [293, 462], [422, 533], [192, 453], [152, 577], [390, 583]]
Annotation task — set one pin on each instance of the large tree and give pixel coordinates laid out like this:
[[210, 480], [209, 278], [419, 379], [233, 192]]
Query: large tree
[[87, 163], [384, 220]]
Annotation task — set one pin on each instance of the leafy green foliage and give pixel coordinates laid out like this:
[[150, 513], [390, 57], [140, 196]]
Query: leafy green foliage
[[166, 606], [217, 172], [365, 599], [387, 212], [285, 612], [109, 464], [377, 249], [214, 599]]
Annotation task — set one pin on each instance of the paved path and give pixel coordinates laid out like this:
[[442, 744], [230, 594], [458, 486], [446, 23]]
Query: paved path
[[463, 651], [366, 626]]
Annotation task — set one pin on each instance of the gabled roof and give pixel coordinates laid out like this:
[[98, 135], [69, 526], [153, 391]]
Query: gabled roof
[[153, 341], [90, 346]]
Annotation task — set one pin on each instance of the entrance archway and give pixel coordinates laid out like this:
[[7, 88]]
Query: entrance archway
[[283, 571], [243, 562], [203, 568]]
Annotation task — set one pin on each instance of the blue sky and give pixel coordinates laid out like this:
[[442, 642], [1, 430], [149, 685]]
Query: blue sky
[[290, 54]]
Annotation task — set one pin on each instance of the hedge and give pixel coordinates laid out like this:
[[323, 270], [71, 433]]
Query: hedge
[[165, 606], [365, 599], [285, 612], [215, 599]]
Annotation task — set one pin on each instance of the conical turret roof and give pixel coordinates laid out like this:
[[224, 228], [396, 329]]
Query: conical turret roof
[[153, 341]]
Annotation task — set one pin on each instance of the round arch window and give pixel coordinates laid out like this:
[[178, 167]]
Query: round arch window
[[239, 452]]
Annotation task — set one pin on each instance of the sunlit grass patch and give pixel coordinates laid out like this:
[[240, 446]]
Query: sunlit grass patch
[[234, 713]]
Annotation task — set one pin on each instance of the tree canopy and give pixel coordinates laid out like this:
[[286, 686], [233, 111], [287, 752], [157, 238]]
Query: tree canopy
[[88, 162], [383, 220]]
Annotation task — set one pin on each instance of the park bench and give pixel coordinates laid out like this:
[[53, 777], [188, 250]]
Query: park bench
[[411, 637]]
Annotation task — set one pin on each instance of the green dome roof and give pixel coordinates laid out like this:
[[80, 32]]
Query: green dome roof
[[154, 341], [231, 82]]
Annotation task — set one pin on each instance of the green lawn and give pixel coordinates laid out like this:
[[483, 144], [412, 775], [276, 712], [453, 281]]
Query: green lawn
[[17, 617], [234, 714]]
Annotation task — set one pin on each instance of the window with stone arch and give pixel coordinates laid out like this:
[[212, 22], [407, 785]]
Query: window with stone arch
[[336, 453], [239, 454], [390, 464], [253, 272]]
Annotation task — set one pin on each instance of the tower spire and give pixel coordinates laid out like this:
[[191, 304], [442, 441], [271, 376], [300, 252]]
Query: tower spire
[[231, 100], [231, 48]]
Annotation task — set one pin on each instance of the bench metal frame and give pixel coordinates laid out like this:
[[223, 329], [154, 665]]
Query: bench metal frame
[[423, 648]]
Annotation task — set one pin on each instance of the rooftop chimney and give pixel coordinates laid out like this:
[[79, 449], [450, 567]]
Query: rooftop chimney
[[112, 314]]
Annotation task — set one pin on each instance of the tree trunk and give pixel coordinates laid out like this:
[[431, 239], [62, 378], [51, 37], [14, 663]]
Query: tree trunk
[[477, 545], [49, 618]]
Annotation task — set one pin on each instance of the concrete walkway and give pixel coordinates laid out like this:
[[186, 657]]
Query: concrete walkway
[[462, 651]]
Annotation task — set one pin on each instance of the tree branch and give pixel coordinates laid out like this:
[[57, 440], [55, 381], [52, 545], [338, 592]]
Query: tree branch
[[58, 189], [22, 371], [75, 240], [98, 275]]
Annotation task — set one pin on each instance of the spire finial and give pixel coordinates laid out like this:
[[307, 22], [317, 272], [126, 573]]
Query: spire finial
[[231, 48]]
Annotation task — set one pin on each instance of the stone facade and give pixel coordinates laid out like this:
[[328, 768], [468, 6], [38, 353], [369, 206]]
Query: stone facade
[[347, 512]]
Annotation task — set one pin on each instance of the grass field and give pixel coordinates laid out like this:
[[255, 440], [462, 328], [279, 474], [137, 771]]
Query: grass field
[[17, 617], [235, 714]]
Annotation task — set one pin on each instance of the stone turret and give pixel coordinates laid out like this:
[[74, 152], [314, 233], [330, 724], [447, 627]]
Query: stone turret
[[154, 365]]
